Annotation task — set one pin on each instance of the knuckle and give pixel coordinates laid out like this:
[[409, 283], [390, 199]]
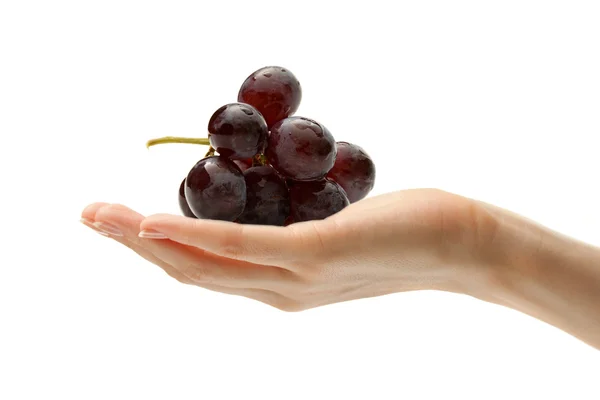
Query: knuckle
[[315, 239], [231, 251], [302, 234], [232, 244], [299, 244], [188, 236]]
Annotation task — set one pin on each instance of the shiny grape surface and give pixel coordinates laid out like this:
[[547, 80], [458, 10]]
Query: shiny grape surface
[[268, 166], [353, 170], [316, 200], [183, 205], [301, 149], [273, 91], [267, 198], [215, 189], [237, 131]]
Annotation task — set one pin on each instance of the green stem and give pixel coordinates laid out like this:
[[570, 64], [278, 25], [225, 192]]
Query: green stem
[[175, 139], [259, 160]]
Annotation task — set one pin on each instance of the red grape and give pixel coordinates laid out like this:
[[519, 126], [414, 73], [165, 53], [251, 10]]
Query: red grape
[[273, 91], [267, 198], [301, 149], [316, 200], [215, 189], [183, 205], [353, 170], [237, 131], [272, 167]]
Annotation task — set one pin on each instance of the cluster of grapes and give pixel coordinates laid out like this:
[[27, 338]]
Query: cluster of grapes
[[272, 168]]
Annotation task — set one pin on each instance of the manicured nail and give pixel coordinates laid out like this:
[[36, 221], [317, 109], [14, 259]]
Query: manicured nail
[[108, 228], [87, 222], [151, 234]]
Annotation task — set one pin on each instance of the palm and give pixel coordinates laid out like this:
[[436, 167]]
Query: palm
[[376, 246]]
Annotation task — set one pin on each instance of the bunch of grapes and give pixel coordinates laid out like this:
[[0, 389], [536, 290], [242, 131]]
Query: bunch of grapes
[[267, 166]]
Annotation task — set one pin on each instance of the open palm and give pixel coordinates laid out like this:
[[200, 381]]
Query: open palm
[[407, 240]]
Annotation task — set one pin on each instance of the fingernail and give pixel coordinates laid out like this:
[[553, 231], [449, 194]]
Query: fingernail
[[108, 228], [87, 222], [151, 234]]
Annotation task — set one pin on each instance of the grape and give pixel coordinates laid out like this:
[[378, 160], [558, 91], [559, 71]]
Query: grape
[[301, 149], [267, 198], [243, 164], [183, 205], [273, 91], [353, 170], [237, 131], [273, 167], [316, 200], [215, 189]]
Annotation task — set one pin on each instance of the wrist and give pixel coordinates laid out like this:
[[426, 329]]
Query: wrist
[[542, 273], [522, 253]]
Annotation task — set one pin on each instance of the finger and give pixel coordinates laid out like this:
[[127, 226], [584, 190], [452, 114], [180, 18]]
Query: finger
[[252, 243], [88, 215], [89, 212], [89, 218], [132, 220], [265, 296], [169, 269], [196, 264]]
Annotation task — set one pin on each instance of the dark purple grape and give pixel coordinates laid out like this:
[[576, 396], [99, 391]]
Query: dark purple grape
[[183, 205], [243, 164], [237, 131], [273, 91], [301, 149], [267, 198], [353, 170], [316, 200], [215, 189]]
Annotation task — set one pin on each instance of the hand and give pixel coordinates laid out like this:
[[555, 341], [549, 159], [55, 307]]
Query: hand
[[408, 240]]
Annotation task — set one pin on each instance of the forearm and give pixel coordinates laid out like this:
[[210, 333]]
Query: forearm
[[546, 275]]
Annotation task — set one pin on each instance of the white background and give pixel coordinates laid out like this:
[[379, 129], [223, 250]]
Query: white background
[[493, 100]]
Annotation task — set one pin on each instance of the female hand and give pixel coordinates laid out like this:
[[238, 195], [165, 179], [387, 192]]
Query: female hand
[[408, 240]]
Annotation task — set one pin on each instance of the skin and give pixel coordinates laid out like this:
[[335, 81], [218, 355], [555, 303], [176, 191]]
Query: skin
[[422, 239]]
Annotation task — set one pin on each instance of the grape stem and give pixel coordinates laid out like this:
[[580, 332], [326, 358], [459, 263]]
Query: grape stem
[[175, 139], [259, 160]]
